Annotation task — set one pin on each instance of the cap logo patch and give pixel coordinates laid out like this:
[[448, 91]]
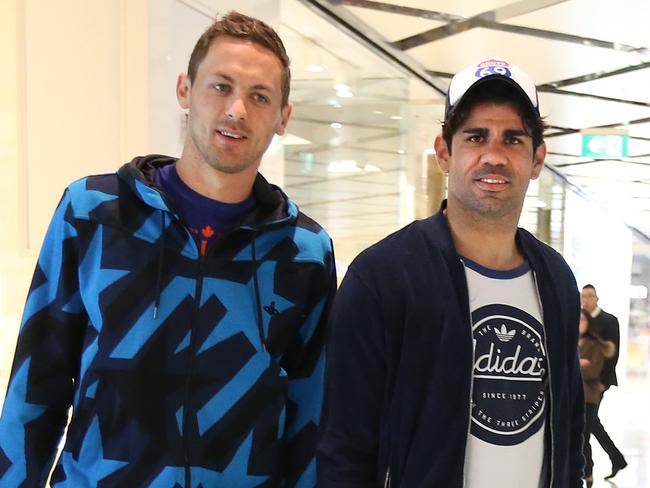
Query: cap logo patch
[[492, 69]]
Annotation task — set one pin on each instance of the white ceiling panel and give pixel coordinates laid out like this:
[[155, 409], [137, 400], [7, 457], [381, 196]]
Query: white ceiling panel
[[566, 46]]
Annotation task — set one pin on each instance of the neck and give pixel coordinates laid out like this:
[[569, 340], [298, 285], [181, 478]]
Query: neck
[[215, 184], [490, 243]]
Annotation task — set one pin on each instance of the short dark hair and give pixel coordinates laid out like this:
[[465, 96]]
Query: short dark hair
[[589, 286], [500, 93], [238, 25]]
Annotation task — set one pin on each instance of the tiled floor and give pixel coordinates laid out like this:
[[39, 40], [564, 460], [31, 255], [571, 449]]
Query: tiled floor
[[625, 413]]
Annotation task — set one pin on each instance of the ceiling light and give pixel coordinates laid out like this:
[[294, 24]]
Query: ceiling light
[[342, 87], [371, 168], [537, 203], [335, 125], [293, 140], [344, 93], [315, 68], [638, 291], [401, 151], [396, 117], [336, 141], [378, 112], [343, 166]]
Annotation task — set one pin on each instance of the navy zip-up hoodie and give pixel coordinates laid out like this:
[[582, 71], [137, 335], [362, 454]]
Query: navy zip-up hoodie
[[182, 370], [398, 381]]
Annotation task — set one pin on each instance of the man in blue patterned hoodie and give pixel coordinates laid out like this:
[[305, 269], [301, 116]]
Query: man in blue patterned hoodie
[[179, 306]]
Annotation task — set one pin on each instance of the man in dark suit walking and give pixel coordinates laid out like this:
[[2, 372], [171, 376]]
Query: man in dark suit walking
[[606, 326]]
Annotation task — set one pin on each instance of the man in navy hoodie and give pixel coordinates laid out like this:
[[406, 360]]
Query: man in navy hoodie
[[178, 308], [452, 357]]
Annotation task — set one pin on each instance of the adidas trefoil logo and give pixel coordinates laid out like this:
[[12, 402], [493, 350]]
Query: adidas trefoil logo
[[504, 334]]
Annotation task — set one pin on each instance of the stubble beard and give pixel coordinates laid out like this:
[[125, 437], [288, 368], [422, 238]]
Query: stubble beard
[[487, 207], [494, 209], [209, 154]]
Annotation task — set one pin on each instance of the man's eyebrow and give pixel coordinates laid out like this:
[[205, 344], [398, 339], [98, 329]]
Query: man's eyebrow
[[230, 79], [484, 132], [480, 131], [515, 133]]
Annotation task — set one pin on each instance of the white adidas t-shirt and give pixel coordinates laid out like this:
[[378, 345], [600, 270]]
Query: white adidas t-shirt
[[505, 447]]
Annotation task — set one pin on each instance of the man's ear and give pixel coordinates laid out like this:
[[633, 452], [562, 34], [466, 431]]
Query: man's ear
[[183, 88], [538, 161], [442, 153], [285, 115]]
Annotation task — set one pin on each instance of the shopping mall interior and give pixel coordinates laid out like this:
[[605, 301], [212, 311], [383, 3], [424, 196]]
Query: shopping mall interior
[[89, 84]]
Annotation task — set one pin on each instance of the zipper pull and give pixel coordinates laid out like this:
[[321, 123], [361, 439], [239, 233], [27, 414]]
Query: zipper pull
[[387, 479]]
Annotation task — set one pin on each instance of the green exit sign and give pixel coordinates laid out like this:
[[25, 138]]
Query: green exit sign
[[604, 145]]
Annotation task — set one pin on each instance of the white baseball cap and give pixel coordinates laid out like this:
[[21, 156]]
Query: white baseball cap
[[490, 69]]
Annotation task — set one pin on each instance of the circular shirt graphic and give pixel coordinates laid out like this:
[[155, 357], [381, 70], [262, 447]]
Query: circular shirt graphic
[[509, 391]]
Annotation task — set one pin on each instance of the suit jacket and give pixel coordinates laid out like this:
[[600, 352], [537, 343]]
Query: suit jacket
[[606, 326]]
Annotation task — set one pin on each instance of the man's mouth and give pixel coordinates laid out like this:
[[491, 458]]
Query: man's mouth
[[493, 181], [230, 134]]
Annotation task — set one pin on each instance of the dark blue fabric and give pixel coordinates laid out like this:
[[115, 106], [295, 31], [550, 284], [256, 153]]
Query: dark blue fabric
[[400, 364], [495, 273], [206, 219]]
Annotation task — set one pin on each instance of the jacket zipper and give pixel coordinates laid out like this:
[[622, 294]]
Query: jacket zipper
[[190, 362], [550, 385], [471, 383], [387, 478], [190, 365]]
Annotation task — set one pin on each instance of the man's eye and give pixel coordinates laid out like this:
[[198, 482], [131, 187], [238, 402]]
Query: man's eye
[[514, 140], [221, 87], [258, 97], [474, 138]]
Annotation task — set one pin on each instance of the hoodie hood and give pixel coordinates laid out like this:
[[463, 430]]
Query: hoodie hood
[[273, 208]]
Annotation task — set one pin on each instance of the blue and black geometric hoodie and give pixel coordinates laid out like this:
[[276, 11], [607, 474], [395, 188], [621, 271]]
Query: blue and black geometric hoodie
[[181, 370]]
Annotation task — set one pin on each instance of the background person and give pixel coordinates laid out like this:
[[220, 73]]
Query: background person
[[593, 352], [604, 325]]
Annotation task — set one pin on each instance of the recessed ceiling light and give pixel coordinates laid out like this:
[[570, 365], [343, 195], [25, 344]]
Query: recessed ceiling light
[[315, 68], [344, 93], [341, 86], [401, 151], [335, 125], [293, 140], [371, 168], [343, 166], [396, 117], [378, 112], [537, 203]]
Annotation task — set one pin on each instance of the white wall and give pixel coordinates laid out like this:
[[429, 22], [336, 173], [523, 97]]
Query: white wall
[[73, 97]]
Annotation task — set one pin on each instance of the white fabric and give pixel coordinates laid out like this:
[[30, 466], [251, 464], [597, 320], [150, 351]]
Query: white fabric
[[505, 448]]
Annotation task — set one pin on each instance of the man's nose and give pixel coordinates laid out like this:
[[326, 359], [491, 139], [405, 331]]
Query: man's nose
[[494, 153], [237, 108]]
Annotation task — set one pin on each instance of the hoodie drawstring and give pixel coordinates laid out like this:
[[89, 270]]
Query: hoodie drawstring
[[161, 256], [258, 299]]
